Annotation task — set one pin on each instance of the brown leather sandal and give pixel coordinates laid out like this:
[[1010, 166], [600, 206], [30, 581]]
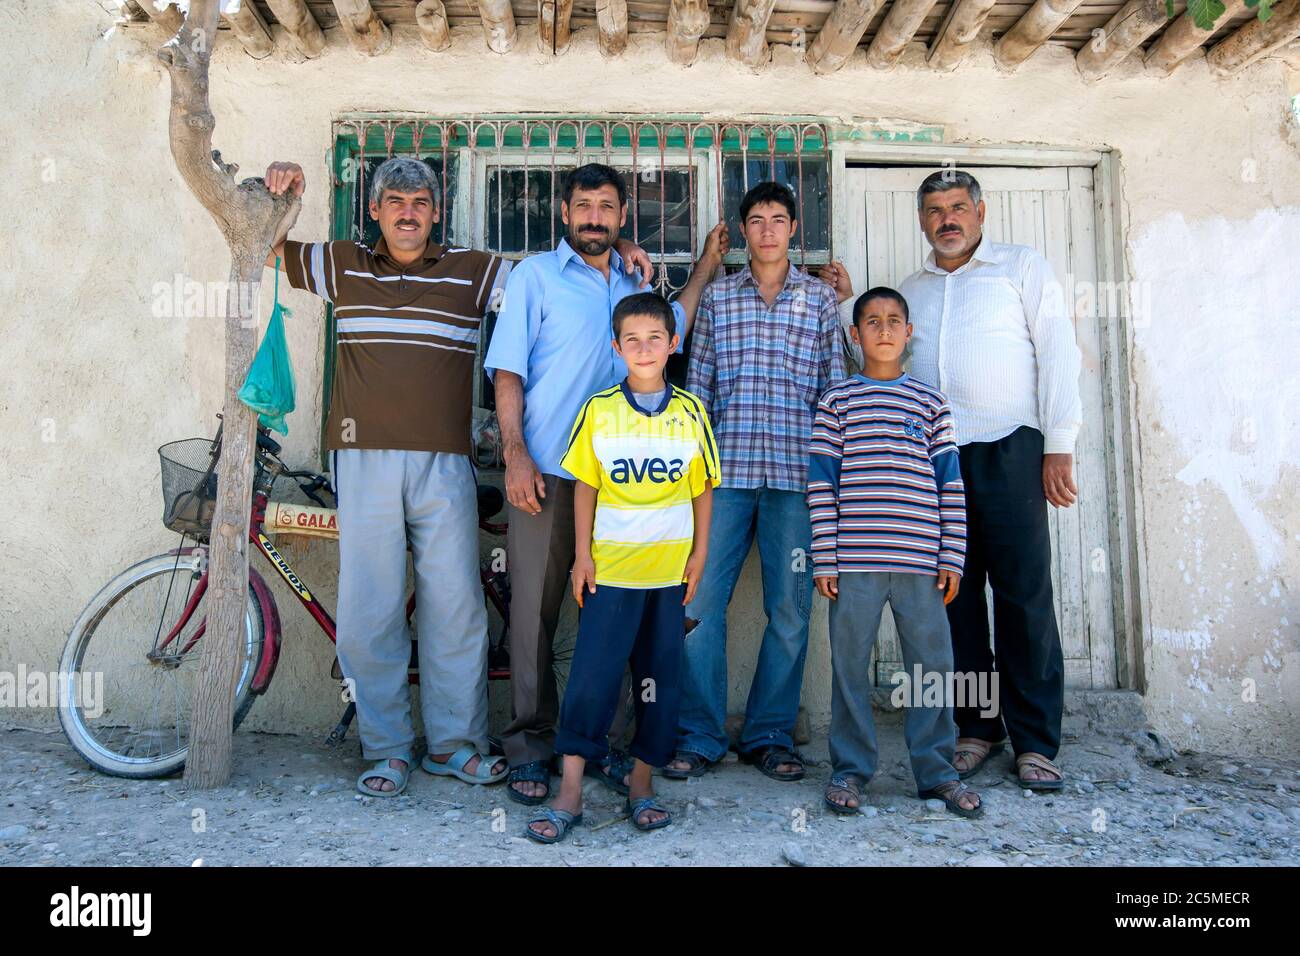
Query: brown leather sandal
[[1038, 762], [951, 793], [982, 750]]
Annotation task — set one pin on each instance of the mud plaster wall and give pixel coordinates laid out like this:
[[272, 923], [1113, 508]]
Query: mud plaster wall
[[94, 381]]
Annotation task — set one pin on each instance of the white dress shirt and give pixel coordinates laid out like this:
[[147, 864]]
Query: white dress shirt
[[995, 337]]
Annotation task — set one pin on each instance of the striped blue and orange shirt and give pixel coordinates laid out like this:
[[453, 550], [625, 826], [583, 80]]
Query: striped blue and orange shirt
[[884, 480]]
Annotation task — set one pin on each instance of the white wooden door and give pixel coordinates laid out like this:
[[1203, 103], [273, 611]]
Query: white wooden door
[[1050, 209]]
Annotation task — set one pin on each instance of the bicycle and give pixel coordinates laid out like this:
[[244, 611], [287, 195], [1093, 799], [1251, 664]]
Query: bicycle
[[143, 732]]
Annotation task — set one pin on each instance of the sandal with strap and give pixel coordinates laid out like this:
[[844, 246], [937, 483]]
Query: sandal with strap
[[381, 769], [950, 792], [532, 772], [1038, 762], [610, 770], [699, 765], [562, 820], [849, 783], [455, 767], [982, 750], [767, 759], [635, 808]]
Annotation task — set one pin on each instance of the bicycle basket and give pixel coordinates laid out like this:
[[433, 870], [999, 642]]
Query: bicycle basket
[[189, 485]]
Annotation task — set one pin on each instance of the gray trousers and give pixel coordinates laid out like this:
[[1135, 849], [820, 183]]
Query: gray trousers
[[384, 498], [922, 627]]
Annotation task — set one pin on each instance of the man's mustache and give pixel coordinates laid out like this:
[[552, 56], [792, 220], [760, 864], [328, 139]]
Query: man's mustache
[[407, 222], [599, 230], [950, 231]]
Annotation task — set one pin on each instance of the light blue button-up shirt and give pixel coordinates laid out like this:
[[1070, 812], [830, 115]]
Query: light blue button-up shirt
[[553, 331]]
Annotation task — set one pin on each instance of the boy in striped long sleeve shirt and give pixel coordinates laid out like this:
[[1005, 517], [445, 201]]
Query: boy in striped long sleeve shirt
[[888, 524]]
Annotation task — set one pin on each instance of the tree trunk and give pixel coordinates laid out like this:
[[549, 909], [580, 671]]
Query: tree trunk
[[247, 216]]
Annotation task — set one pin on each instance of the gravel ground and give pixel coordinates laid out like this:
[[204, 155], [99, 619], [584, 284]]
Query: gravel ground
[[292, 802]]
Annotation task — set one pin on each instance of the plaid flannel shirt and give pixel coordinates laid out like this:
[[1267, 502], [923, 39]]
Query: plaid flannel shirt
[[759, 372]]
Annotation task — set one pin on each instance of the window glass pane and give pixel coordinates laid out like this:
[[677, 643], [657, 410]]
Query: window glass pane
[[506, 210], [663, 209], [814, 219]]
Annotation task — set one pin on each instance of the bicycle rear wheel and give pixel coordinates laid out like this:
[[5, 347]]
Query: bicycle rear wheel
[[126, 692]]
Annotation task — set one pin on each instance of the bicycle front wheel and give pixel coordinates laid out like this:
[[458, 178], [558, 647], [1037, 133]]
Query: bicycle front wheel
[[126, 689]]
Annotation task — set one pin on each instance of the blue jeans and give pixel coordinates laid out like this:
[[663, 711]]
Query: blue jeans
[[780, 519]]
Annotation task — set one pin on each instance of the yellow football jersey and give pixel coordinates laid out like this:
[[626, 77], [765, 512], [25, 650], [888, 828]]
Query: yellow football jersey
[[647, 468]]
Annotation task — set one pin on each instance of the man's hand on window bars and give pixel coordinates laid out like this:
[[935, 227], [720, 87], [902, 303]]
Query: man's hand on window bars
[[635, 258], [716, 245]]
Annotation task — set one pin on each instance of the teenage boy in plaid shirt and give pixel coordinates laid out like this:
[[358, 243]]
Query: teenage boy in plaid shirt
[[767, 341]]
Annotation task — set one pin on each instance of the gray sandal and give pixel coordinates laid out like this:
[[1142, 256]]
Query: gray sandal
[[381, 769], [562, 820]]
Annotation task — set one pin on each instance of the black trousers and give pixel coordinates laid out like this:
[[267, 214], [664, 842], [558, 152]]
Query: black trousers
[[1008, 545]]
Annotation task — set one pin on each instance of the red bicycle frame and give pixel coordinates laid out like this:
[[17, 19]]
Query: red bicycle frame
[[271, 617]]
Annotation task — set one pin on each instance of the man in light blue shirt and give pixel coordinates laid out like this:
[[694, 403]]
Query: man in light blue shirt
[[552, 350]]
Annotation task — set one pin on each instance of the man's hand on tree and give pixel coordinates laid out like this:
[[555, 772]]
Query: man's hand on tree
[[282, 177], [1058, 480]]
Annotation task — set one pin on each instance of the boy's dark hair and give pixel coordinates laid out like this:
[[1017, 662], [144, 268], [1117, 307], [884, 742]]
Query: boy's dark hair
[[767, 192], [880, 292], [644, 303], [593, 176]]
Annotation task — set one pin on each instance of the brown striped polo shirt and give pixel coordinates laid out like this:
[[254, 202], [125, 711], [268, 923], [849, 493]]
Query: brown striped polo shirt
[[407, 337]]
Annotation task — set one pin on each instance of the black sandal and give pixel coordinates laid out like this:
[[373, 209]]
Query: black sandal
[[948, 793], [699, 765], [848, 783], [532, 772], [611, 769], [767, 759]]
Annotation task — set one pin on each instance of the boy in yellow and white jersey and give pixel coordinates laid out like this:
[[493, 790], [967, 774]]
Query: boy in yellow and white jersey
[[645, 462]]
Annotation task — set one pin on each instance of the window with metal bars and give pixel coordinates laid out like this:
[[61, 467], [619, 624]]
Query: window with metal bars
[[502, 180]]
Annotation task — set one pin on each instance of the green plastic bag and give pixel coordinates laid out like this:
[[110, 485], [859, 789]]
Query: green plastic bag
[[269, 388]]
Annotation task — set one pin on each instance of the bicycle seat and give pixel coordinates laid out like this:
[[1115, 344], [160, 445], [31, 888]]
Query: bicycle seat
[[490, 501]]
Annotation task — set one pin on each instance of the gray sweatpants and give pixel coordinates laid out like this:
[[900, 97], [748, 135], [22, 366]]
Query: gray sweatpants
[[923, 633], [384, 496]]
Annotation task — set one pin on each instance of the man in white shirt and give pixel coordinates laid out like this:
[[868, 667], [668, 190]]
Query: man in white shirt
[[991, 331]]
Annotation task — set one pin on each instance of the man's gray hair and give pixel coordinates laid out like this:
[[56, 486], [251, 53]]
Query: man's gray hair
[[944, 180], [405, 175]]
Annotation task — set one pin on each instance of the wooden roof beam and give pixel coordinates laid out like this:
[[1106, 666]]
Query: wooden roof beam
[[747, 31], [687, 21], [1034, 28], [498, 24], [431, 18], [1123, 33], [299, 23], [553, 17], [247, 24], [365, 31], [958, 33], [1257, 38], [1184, 37], [900, 25], [839, 35], [611, 24]]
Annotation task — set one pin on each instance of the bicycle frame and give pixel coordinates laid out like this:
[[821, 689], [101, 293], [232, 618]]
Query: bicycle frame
[[257, 536]]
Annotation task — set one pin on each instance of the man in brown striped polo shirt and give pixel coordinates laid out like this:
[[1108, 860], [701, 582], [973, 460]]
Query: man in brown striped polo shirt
[[408, 314]]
